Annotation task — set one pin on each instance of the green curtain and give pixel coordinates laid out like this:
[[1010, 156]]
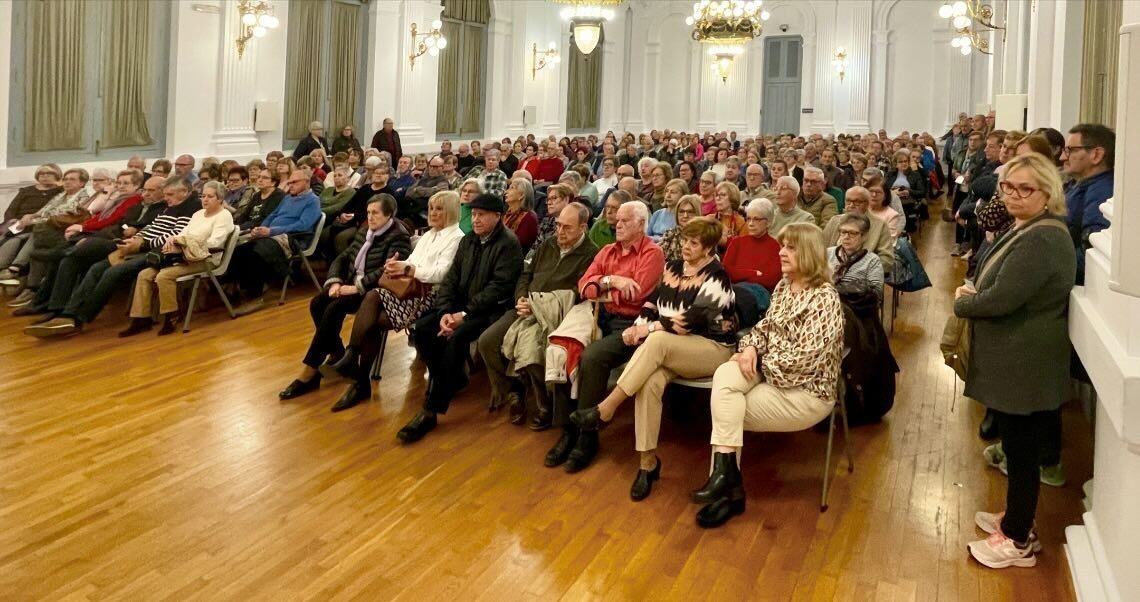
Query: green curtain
[[54, 103], [447, 88], [126, 87], [585, 83], [469, 11], [345, 46], [471, 87], [306, 55]]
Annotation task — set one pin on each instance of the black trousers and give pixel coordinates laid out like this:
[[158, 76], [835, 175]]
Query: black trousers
[[1023, 438], [600, 358], [63, 276], [255, 261], [446, 357], [328, 315]]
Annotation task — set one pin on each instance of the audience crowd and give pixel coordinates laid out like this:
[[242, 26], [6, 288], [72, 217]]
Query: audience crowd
[[584, 271]]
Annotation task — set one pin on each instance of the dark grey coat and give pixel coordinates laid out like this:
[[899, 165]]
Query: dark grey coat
[[1019, 353]]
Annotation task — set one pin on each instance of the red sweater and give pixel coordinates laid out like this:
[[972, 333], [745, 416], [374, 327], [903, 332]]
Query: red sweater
[[94, 224], [747, 254], [546, 170], [525, 226]]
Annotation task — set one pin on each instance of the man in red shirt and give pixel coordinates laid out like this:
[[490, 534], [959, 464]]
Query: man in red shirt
[[624, 273], [388, 139]]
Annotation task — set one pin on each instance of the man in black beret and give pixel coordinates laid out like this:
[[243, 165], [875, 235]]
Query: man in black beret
[[476, 291]]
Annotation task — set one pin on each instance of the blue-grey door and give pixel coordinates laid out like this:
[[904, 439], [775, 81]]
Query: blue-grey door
[[783, 60]]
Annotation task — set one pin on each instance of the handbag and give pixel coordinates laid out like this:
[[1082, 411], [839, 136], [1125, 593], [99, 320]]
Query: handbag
[[159, 260], [958, 332], [403, 288]]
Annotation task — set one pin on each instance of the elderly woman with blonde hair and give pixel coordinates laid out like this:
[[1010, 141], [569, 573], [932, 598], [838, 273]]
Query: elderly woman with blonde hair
[[784, 374]]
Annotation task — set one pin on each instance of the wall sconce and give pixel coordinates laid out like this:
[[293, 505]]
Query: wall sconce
[[839, 61], [541, 60], [431, 43], [256, 21]]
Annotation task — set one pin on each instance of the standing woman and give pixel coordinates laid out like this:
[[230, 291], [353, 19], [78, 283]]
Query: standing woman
[[197, 245], [1019, 351], [345, 141], [783, 376], [352, 274], [686, 329]]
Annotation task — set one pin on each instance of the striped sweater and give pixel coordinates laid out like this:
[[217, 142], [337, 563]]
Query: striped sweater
[[170, 221], [702, 304]]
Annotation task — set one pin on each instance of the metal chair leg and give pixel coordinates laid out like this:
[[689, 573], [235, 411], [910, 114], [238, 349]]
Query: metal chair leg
[[190, 306], [309, 268], [222, 294], [380, 356], [827, 462], [284, 287], [846, 436]]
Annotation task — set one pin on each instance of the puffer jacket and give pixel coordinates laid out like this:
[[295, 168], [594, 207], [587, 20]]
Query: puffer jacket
[[482, 278], [394, 240]]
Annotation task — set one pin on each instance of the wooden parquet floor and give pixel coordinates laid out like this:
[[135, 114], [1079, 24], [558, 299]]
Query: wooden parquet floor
[[167, 468]]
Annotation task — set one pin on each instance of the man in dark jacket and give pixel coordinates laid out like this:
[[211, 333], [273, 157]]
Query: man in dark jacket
[[388, 139], [1089, 157], [557, 265], [473, 295]]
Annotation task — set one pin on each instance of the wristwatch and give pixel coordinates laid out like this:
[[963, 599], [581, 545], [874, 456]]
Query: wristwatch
[[605, 281]]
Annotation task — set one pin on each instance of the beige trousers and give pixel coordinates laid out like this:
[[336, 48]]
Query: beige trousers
[[739, 404], [149, 279], [663, 357]]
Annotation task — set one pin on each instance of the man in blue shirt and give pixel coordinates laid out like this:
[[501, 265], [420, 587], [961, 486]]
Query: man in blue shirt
[[1088, 157], [290, 226]]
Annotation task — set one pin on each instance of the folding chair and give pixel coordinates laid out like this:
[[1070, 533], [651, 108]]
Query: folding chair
[[220, 270], [380, 356], [840, 408], [304, 256]]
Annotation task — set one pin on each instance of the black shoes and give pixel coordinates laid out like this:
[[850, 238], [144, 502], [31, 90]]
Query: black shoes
[[588, 419], [584, 451], [167, 326], [353, 395], [298, 388], [988, 429], [723, 492], [643, 483], [517, 411], [561, 451], [31, 310], [419, 426], [346, 365], [542, 420], [137, 326]]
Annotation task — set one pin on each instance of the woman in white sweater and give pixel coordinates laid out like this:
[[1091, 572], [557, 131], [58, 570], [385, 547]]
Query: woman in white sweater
[[381, 309], [194, 249]]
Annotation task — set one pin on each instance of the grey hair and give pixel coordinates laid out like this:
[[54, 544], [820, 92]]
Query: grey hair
[[815, 171], [573, 176], [858, 219], [583, 212], [217, 187], [760, 207], [477, 182], [791, 183], [872, 172], [650, 162], [642, 213], [101, 172], [528, 192]]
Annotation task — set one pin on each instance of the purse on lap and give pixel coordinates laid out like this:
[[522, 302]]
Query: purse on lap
[[403, 288]]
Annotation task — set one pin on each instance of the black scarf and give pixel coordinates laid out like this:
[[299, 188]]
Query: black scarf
[[846, 263]]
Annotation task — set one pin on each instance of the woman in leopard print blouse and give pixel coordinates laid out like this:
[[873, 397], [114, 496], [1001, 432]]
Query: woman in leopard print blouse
[[784, 374]]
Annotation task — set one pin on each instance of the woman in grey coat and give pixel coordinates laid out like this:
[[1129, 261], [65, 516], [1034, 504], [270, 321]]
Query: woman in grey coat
[[1019, 353]]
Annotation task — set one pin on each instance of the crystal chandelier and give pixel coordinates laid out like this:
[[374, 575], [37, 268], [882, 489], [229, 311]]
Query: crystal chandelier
[[963, 14], [586, 18], [726, 26]]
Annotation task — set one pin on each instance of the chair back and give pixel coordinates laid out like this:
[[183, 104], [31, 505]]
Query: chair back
[[312, 248], [228, 252]]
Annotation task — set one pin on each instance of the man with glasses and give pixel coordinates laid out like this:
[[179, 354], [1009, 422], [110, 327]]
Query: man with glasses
[[557, 264], [1089, 157], [814, 200], [754, 186], [415, 203], [184, 168], [877, 239]]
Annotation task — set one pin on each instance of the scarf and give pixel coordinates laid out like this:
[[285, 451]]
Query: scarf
[[512, 219], [845, 263], [362, 254]]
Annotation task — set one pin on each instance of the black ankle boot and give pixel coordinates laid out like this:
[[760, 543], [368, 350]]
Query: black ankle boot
[[583, 453], [724, 475], [988, 430], [346, 365], [137, 325], [727, 484], [561, 450]]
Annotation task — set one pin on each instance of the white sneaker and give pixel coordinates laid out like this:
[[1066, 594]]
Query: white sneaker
[[998, 552], [990, 522]]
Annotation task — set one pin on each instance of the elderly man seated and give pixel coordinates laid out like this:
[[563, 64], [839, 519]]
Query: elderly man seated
[[414, 207], [754, 184], [557, 265], [788, 211], [814, 200], [622, 276], [877, 239], [493, 179], [473, 295]]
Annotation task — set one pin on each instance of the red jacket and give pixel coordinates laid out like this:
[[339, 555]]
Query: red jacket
[[747, 255], [95, 223]]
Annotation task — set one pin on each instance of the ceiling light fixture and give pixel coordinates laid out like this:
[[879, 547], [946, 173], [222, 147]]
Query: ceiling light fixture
[[586, 18], [726, 26], [963, 16]]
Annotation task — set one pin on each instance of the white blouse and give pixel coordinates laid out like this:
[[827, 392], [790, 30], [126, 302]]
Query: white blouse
[[434, 252], [211, 230]]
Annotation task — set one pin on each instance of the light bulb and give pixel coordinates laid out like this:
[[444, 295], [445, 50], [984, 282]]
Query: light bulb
[[436, 24], [956, 42], [552, 46], [249, 19], [430, 42], [689, 21], [263, 21], [258, 31], [764, 15], [961, 22], [945, 11], [959, 8], [966, 50], [442, 43], [272, 21]]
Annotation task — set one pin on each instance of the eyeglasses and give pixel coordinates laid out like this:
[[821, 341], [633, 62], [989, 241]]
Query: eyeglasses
[[755, 219], [1021, 191], [686, 212], [1069, 149], [843, 232]]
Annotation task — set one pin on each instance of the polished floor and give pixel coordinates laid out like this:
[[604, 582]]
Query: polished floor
[[166, 468]]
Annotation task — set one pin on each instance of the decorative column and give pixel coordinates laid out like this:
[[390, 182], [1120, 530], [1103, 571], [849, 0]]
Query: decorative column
[[386, 61], [807, 86], [858, 78], [503, 74], [823, 119], [960, 83], [416, 104], [612, 80], [881, 39], [754, 91], [1041, 68], [653, 70], [233, 119], [733, 95]]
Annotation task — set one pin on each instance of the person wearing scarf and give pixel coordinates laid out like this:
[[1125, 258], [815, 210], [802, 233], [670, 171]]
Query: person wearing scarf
[[853, 269], [352, 274]]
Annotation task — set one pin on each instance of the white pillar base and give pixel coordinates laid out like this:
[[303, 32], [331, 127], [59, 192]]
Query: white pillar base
[[236, 144]]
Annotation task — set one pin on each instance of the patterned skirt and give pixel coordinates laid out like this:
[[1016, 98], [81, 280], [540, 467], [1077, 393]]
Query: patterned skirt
[[404, 313]]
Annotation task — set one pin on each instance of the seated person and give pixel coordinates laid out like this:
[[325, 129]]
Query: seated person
[[15, 252], [194, 249], [351, 275], [783, 377], [557, 265], [518, 217], [602, 232], [814, 200], [558, 196], [381, 310], [906, 180], [467, 193], [89, 297], [854, 270], [877, 239], [308, 167], [622, 277], [414, 206], [665, 218], [271, 245], [476, 291], [880, 207], [727, 212], [238, 190], [493, 179], [788, 210], [403, 179], [688, 209], [265, 199], [24, 205], [686, 329], [753, 264]]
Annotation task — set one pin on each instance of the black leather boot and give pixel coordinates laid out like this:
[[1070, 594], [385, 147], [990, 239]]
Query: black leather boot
[[720, 480], [561, 450], [583, 453], [988, 429], [727, 484]]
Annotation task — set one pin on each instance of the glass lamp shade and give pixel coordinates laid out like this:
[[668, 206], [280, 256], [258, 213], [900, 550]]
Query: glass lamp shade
[[946, 11], [259, 31], [442, 43], [966, 50], [249, 19], [586, 36]]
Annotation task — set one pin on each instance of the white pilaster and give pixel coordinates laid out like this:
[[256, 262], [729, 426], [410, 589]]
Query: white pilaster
[[807, 85], [502, 73], [1068, 43], [858, 78], [881, 39], [1041, 68], [823, 99], [233, 118], [958, 98]]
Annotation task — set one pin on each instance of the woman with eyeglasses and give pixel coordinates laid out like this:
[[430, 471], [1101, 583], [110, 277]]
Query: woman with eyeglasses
[[688, 208], [880, 205], [855, 270], [1019, 351], [665, 218]]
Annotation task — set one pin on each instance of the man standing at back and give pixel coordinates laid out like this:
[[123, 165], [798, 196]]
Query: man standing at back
[[1089, 156], [388, 139]]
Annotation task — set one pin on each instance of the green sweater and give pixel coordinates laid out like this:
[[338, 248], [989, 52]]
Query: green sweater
[[551, 271], [333, 202], [465, 217], [601, 233]]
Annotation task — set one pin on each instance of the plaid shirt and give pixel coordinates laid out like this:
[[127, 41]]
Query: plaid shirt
[[494, 182]]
